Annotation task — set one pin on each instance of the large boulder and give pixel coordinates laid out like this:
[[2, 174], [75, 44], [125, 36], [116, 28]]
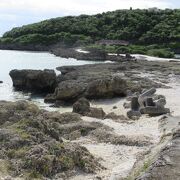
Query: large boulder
[[1, 82], [107, 87], [34, 80]]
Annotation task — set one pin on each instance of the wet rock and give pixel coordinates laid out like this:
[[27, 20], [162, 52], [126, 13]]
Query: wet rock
[[1, 82], [69, 91], [106, 88], [34, 80]]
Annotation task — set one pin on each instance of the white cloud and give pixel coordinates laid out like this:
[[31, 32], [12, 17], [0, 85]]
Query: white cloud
[[20, 12], [79, 6]]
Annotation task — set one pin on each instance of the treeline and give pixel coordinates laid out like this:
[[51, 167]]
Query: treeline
[[140, 27]]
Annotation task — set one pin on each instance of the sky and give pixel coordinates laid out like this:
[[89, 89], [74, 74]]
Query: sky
[[15, 13]]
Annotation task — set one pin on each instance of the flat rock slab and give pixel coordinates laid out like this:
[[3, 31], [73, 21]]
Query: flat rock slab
[[167, 165]]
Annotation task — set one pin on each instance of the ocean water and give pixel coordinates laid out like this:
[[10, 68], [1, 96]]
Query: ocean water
[[28, 60]]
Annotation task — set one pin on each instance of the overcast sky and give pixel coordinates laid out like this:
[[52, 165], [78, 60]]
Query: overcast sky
[[15, 13]]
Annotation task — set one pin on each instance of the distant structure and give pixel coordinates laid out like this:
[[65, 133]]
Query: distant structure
[[112, 42], [154, 9]]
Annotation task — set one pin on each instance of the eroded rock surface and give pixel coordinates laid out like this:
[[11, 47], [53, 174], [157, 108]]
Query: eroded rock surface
[[167, 165], [98, 81], [34, 80], [32, 142]]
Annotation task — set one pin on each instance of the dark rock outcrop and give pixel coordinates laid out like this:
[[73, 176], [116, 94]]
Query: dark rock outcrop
[[82, 106], [90, 81], [34, 80], [1, 82]]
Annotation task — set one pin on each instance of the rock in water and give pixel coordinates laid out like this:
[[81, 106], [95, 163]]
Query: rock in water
[[34, 80]]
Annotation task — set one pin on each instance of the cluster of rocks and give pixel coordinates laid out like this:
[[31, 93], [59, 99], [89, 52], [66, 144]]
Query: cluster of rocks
[[82, 107], [146, 103], [93, 81], [32, 142]]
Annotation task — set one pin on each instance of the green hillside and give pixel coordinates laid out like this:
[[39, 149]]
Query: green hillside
[[146, 30]]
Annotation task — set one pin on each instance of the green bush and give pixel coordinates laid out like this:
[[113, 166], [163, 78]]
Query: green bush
[[163, 53]]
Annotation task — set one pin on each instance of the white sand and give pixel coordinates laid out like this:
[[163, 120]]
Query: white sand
[[148, 58], [119, 159]]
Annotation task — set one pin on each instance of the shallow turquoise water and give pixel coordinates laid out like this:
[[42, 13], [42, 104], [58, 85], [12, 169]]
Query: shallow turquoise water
[[27, 60]]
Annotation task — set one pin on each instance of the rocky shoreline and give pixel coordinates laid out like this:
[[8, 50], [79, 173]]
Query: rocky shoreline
[[89, 142], [48, 145], [69, 52], [95, 81], [91, 55]]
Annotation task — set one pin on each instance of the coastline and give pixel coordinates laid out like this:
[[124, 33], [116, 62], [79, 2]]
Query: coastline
[[122, 145], [79, 54]]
